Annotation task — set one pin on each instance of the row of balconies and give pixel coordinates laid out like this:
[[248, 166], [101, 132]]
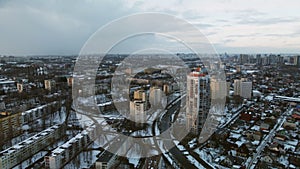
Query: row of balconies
[[68, 150], [20, 152]]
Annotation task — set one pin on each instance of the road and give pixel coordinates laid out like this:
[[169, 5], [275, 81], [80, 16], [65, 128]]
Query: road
[[164, 123]]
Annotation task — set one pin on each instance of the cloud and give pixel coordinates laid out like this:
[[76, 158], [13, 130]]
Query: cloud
[[62, 27], [52, 27], [266, 21]]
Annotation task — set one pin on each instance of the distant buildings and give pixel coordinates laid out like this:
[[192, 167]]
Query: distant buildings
[[20, 87], [169, 88], [296, 61], [243, 59], [198, 100], [7, 86], [258, 60], [261, 60], [49, 84], [243, 88]]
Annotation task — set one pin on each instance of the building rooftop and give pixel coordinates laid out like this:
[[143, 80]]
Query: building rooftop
[[70, 142], [105, 156]]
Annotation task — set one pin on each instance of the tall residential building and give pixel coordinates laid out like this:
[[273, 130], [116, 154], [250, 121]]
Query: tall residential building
[[258, 60], [219, 89], [140, 95], [70, 81], [244, 59], [243, 88], [166, 88], [138, 110], [266, 60], [198, 101], [155, 96]]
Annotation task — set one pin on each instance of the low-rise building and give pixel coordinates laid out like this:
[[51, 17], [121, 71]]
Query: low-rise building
[[27, 148]]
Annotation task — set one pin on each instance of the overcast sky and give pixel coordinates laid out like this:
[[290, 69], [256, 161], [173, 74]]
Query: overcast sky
[[32, 27]]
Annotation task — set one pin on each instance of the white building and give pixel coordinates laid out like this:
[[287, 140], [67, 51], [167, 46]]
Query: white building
[[64, 153], [219, 89], [198, 101], [138, 110], [243, 88], [155, 97], [33, 114]]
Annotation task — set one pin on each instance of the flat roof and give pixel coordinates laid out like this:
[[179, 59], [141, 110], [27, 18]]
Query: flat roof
[[105, 156]]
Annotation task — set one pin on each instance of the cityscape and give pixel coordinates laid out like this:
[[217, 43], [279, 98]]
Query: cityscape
[[256, 127], [131, 84]]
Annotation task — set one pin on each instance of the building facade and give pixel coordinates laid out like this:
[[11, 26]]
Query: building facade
[[12, 156], [64, 153], [219, 89], [155, 97], [10, 127], [243, 88], [198, 101], [138, 110]]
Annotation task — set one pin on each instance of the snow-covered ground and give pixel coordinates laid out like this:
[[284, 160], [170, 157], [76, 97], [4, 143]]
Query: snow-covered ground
[[83, 160], [134, 161], [194, 161]]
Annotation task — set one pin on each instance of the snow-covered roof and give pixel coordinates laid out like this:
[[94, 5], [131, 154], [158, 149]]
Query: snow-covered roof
[[255, 127], [28, 141], [235, 135]]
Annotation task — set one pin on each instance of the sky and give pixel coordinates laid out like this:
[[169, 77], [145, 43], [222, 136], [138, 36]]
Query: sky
[[62, 27]]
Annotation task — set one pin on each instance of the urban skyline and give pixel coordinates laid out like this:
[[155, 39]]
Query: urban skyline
[[150, 84]]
